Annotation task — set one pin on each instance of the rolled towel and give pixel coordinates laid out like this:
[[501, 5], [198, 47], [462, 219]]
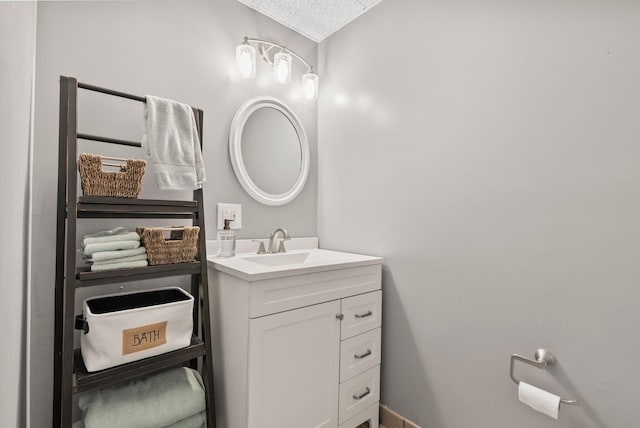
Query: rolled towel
[[113, 235], [110, 246], [123, 259], [156, 401], [123, 265], [195, 421], [110, 255]]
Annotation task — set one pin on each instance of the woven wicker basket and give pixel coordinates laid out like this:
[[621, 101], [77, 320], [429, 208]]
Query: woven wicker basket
[[182, 247], [125, 183]]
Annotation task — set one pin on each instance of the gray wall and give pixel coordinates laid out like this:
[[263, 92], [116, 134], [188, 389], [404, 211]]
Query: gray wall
[[183, 50], [489, 151], [17, 55]]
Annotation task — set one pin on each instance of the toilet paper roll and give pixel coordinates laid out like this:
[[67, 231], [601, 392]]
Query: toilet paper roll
[[539, 399]]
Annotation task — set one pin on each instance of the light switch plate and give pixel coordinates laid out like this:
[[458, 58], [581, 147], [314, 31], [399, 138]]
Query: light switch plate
[[231, 212]]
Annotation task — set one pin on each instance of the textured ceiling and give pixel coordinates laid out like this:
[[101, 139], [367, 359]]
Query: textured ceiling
[[315, 19]]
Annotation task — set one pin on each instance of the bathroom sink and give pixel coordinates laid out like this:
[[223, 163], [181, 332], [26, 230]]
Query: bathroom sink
[[252, 267], [279, 259]]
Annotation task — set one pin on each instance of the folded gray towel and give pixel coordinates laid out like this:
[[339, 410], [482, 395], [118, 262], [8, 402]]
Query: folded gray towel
[[110, 255], [110, 246], [156, 401], [122, 260], [96, 267], [129, 236], [113, 235]]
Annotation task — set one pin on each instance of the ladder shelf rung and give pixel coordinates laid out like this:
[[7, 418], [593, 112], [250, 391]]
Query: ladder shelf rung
[[85, 381], [105, 207], [85, 278]]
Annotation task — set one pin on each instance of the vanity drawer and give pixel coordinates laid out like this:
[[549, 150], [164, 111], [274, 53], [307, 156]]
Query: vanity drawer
[[370, 415], [361, 313], [359, 353], [358, 394], [271, 296]]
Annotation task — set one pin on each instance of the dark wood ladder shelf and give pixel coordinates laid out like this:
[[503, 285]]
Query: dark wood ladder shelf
[[86, 381], [70, 375], [87, 278]]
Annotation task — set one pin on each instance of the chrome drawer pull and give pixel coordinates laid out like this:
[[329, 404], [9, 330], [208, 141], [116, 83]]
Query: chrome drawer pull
[[367, 314], [361, 356], [361, 396]]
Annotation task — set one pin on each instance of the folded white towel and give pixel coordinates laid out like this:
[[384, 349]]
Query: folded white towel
[[123, 259], [111, 266], [110, 255], [117, 234], [109, 246], [171, 139]]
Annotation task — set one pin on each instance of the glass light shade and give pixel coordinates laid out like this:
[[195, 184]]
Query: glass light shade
[[310, 85], [246, 60], [282, 62]]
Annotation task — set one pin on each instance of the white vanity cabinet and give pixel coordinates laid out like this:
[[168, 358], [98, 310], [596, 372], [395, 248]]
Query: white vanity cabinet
[[297, 350]]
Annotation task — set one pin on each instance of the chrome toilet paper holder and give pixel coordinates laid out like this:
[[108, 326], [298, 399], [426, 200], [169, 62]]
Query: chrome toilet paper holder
[[543, 359]]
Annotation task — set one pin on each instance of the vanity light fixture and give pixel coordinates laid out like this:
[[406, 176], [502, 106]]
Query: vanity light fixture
[[246, 60], [310, 85], [281, 61]]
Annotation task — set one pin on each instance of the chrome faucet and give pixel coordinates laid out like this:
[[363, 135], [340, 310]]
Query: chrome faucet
[[277, 246]]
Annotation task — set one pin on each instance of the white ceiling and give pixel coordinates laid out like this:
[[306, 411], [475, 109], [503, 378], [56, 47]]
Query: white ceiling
[[315, 19]]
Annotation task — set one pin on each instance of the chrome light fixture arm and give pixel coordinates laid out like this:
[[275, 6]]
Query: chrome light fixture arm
[[278, 45]]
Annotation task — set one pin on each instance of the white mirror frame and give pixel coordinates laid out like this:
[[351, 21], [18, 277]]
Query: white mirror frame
[[235, 151]]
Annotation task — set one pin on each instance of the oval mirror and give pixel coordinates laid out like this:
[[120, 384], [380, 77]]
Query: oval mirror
[[269, 151]]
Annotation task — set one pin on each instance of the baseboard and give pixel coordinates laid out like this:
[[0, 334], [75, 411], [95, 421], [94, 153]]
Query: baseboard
[[391, 419]]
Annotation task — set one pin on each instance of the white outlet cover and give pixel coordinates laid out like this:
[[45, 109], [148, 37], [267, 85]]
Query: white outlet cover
[[232, 212]]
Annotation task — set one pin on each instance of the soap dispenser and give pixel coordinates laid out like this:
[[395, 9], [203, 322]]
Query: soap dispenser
[[226, 241]]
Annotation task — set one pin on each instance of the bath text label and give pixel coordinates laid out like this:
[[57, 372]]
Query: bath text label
[[146, 337]]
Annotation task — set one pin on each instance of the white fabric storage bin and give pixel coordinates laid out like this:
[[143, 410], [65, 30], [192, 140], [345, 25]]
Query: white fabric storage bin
[[125, 327]]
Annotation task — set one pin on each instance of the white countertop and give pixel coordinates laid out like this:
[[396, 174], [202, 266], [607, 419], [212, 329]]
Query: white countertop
[[297, 261]]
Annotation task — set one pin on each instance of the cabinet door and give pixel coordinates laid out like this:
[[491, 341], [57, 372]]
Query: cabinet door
[[294, 368]]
